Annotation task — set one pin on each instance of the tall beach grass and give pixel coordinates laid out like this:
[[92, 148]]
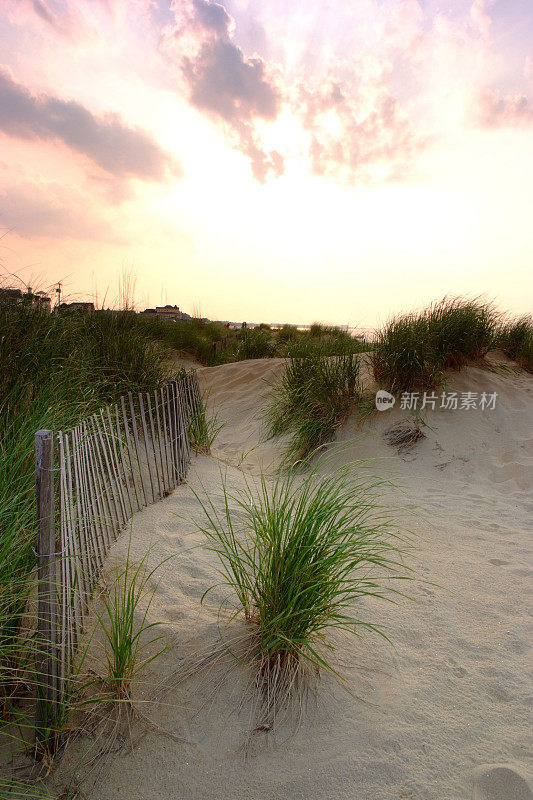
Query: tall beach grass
[[412, 351], [316, 393], [298, 556], [515, 338]]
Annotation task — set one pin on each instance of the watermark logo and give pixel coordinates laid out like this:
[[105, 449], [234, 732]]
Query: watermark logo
[[384, 400]]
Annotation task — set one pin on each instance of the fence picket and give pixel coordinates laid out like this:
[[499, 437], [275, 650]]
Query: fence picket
[[125, 478], [146, 445], [111, 437], [47, 588], [154, 448], [110, 461], [158, 395], [97, 500], [78, 533], [131, 456], [137, 447]]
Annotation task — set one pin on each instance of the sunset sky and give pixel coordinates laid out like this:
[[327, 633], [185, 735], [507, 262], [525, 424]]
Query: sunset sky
[[270, 160]]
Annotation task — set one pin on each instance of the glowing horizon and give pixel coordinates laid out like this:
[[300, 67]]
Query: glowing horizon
[[268, 162]]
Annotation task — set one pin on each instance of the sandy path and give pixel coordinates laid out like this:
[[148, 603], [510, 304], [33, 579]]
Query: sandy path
[[420, 720]]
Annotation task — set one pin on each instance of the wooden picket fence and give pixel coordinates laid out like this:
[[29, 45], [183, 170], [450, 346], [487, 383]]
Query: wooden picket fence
[[89, 483], [221, 344]]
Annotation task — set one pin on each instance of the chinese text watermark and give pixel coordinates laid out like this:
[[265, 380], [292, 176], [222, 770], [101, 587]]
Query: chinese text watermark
[[448, 401]]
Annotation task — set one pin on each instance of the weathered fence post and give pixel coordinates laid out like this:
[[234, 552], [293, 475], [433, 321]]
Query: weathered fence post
[[172, 416], [47, 588]]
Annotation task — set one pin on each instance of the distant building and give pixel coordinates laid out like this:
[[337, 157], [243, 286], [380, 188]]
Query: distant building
[[10, 296], [15, 296], [42, 300], [168, 312]]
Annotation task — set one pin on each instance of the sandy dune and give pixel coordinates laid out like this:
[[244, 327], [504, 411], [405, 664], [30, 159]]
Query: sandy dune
[[441, 715]]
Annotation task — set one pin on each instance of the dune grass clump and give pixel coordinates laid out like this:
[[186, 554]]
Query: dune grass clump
[[515, 338], [125, 625], [192, 338], [287, 333], [298, 555], [12, 789], [203, 430], [316, 394], [331, 342], [412, 351], [254, 343], [24, 409], [401, 357], [461, 331]]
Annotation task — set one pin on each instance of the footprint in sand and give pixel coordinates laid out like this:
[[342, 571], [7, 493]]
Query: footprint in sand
[[500, 782], [456, 668]]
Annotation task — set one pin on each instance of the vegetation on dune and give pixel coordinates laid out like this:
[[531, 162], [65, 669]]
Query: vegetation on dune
[[412, 351], [291, 565], [191, 338], [253, 343], [54, 370], [315, 395], [286, 334], [265, 342], [125, 625], [461, 330], [203, 430], [515, 338], [401, 357], [298, 555]]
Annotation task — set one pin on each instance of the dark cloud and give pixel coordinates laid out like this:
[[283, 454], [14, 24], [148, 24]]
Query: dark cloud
[[118, 149], [42, 10], [222, 81], [64, 18], [233, 89], [211, 17]]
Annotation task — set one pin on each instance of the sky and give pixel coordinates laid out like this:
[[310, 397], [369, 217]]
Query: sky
[[267, 160]]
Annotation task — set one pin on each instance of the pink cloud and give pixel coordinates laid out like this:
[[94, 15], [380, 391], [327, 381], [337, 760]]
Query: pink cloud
[[118, 149], [69, 22], [494, 110], [236, 91], [357, 137], [404, 27], [480, 18]]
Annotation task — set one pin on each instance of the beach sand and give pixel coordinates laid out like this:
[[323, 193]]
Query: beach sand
[[441, 714]]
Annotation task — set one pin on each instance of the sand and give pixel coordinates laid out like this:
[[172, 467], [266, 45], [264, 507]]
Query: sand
[[443, 713]]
